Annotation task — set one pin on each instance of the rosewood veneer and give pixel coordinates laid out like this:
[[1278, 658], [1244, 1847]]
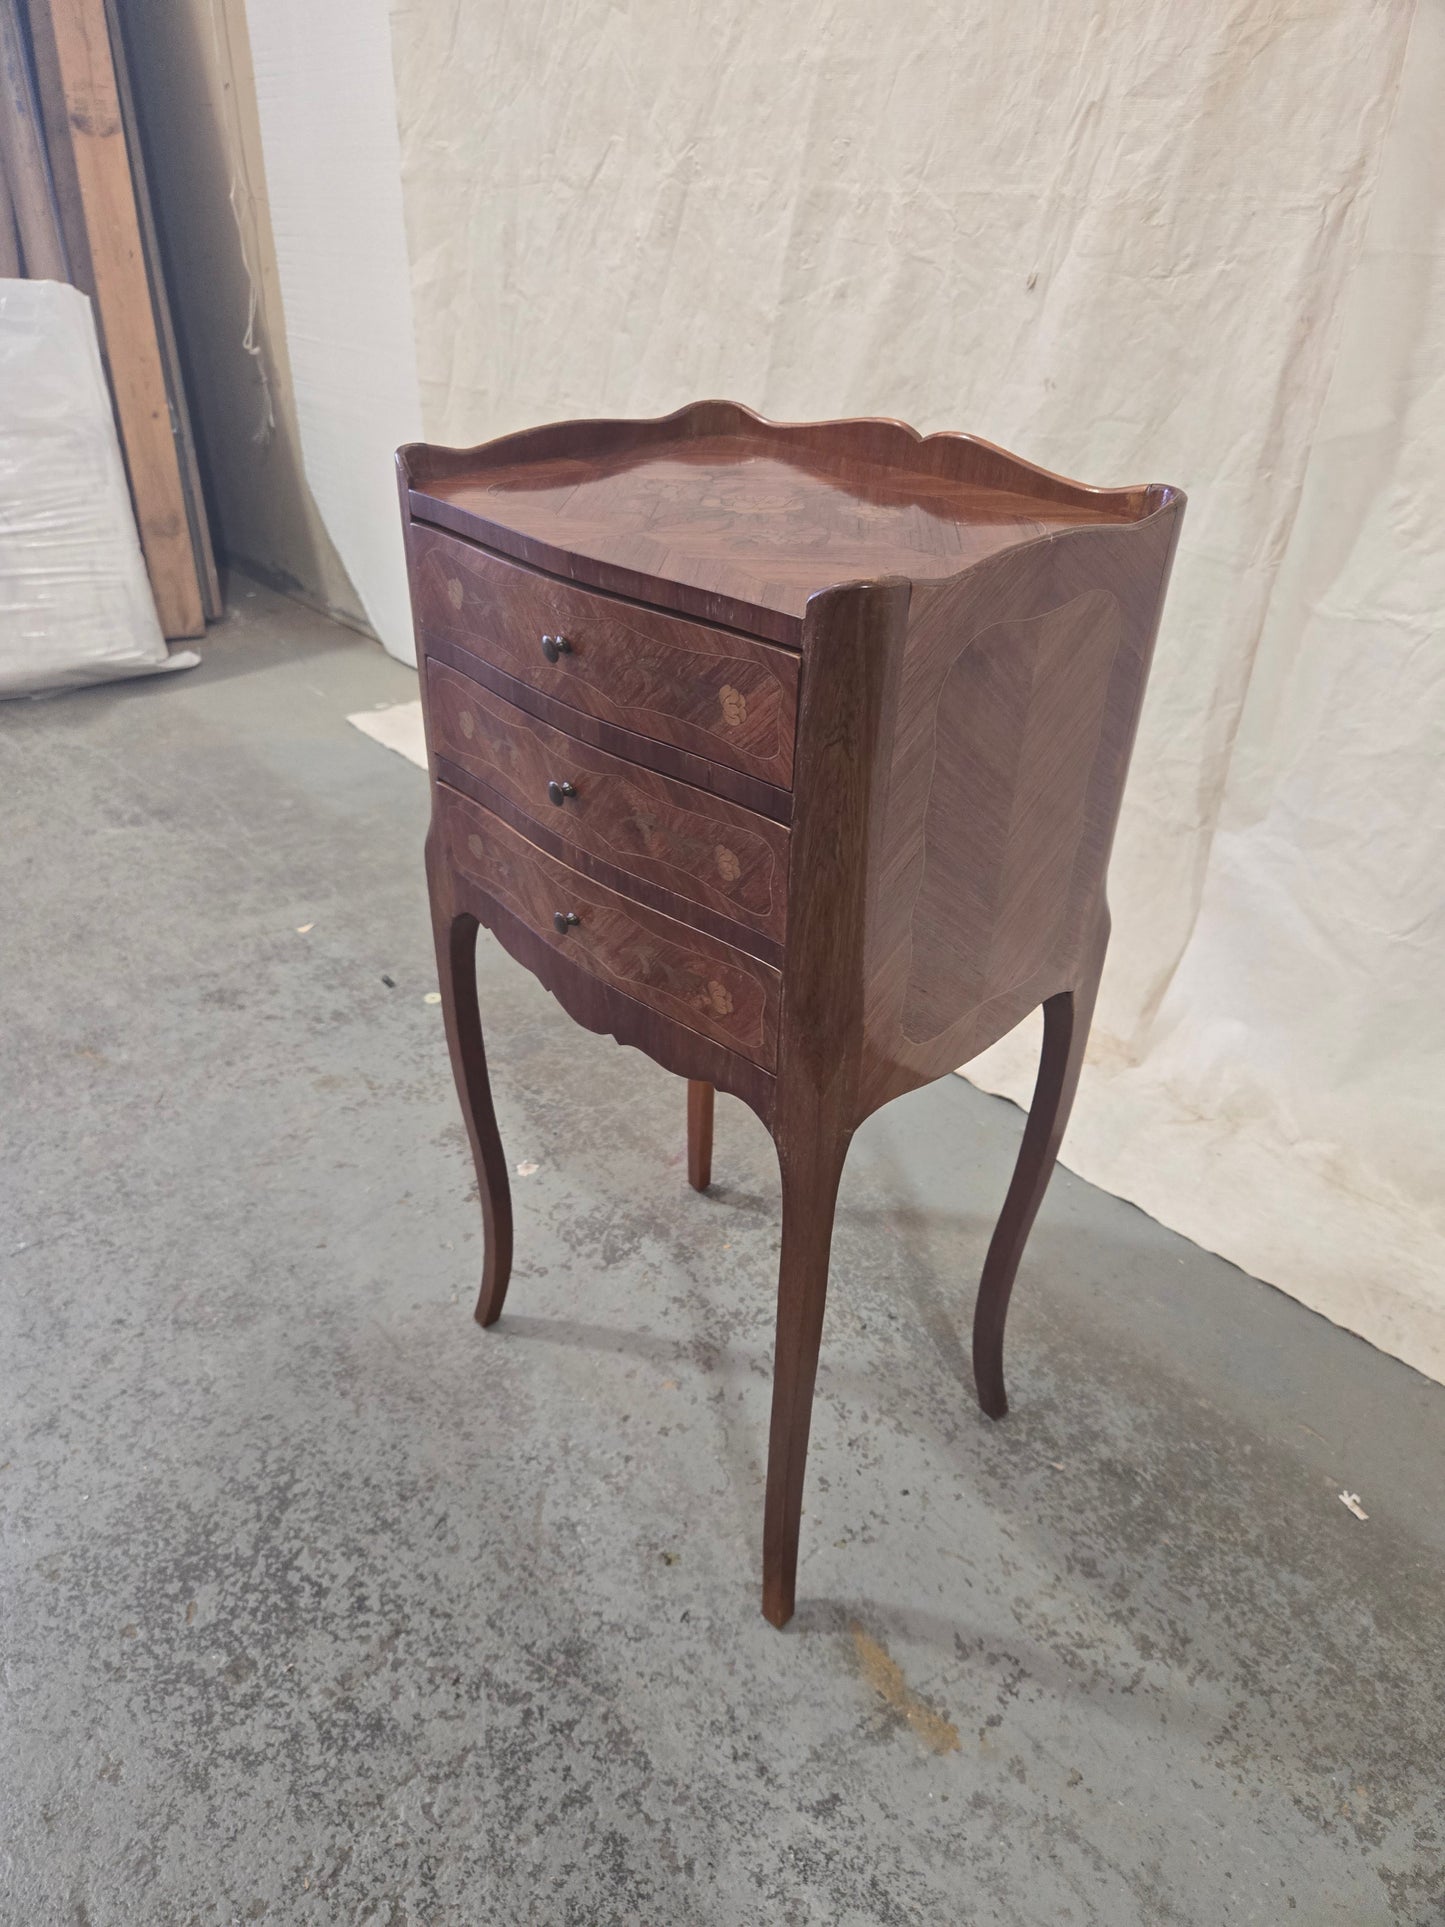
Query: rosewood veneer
[[791, 755]]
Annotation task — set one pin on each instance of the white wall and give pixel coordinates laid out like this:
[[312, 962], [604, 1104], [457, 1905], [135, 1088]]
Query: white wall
[[328, 128], [190, 69]]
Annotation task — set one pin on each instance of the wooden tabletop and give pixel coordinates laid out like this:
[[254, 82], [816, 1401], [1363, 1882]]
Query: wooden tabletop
[[746, 519]]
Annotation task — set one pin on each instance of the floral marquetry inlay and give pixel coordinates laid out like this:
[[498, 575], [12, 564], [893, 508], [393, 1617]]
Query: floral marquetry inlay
[[686, 841], [719, 989], [728, 697]]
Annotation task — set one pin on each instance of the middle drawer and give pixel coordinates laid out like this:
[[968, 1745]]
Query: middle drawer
[[686, 840]]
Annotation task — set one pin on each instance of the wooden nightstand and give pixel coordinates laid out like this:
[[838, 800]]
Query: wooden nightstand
[[791, 755]]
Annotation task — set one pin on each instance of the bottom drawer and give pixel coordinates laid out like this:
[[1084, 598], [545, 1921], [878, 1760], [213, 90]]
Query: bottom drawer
[[699, 982]]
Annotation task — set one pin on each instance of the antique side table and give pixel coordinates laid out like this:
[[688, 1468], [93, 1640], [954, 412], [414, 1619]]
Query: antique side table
[[791, 755]]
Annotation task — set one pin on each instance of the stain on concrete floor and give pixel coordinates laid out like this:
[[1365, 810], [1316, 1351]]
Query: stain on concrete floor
[[321, 1604]]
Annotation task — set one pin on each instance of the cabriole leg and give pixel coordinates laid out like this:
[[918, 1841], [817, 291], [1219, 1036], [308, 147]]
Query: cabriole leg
[[810, 1196], [456, 950], [1066, 1032]]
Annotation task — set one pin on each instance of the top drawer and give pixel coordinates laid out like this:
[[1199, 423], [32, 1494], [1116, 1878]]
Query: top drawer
[[708, 691]]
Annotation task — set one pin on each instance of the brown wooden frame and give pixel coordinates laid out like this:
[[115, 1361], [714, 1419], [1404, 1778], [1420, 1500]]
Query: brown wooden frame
[[100, 199]]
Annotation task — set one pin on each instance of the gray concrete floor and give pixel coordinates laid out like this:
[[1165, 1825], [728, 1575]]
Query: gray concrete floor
[[321, 1604]]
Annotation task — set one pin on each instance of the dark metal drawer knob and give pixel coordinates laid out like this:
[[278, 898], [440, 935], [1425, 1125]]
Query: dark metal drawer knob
[[564, 920], [559, 792], [555, 646]]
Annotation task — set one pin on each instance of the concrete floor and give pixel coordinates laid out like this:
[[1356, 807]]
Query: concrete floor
[[321, 1604]]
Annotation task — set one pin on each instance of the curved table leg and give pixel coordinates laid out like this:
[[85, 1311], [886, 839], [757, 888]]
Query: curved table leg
[[1066, 1032], [699, 1134], [455, 933], [810, 1195]]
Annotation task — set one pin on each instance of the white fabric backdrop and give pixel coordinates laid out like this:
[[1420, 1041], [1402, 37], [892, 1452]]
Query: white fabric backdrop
[[328, 133], [1285, 1103], [1134, 241]]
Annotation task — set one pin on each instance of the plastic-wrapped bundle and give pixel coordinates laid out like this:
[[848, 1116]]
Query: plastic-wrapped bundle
[[75, 604]]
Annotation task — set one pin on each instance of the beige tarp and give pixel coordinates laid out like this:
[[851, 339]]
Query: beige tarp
[[1142, 241]]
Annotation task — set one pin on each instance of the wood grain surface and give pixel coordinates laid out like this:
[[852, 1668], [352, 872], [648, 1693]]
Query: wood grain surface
[[1017, 698], [682, 973], [945, 731], [80, 53], [722, 514], [699, 1134], [693, 844], [722, 696]]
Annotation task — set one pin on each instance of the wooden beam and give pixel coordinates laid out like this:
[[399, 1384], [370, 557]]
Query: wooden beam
[[9, 239], [196, 519], [22, 154], [55, 126], [80, 49]]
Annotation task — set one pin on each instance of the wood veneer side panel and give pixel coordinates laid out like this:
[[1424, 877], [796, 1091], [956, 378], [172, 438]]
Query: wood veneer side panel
[[935, 912], [849, 682], [694, 845]]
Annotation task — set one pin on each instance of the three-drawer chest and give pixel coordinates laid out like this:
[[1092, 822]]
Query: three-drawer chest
[[791, 755]]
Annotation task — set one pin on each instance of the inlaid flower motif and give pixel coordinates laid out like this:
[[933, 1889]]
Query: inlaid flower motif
[[468, 723], [728, 867], [734, 706], [454, 591], [719, 998]]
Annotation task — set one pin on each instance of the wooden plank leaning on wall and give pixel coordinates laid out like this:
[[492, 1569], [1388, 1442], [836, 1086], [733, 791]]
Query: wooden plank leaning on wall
[[29, 237], [191, 489], [86, 137], [9, 239]]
